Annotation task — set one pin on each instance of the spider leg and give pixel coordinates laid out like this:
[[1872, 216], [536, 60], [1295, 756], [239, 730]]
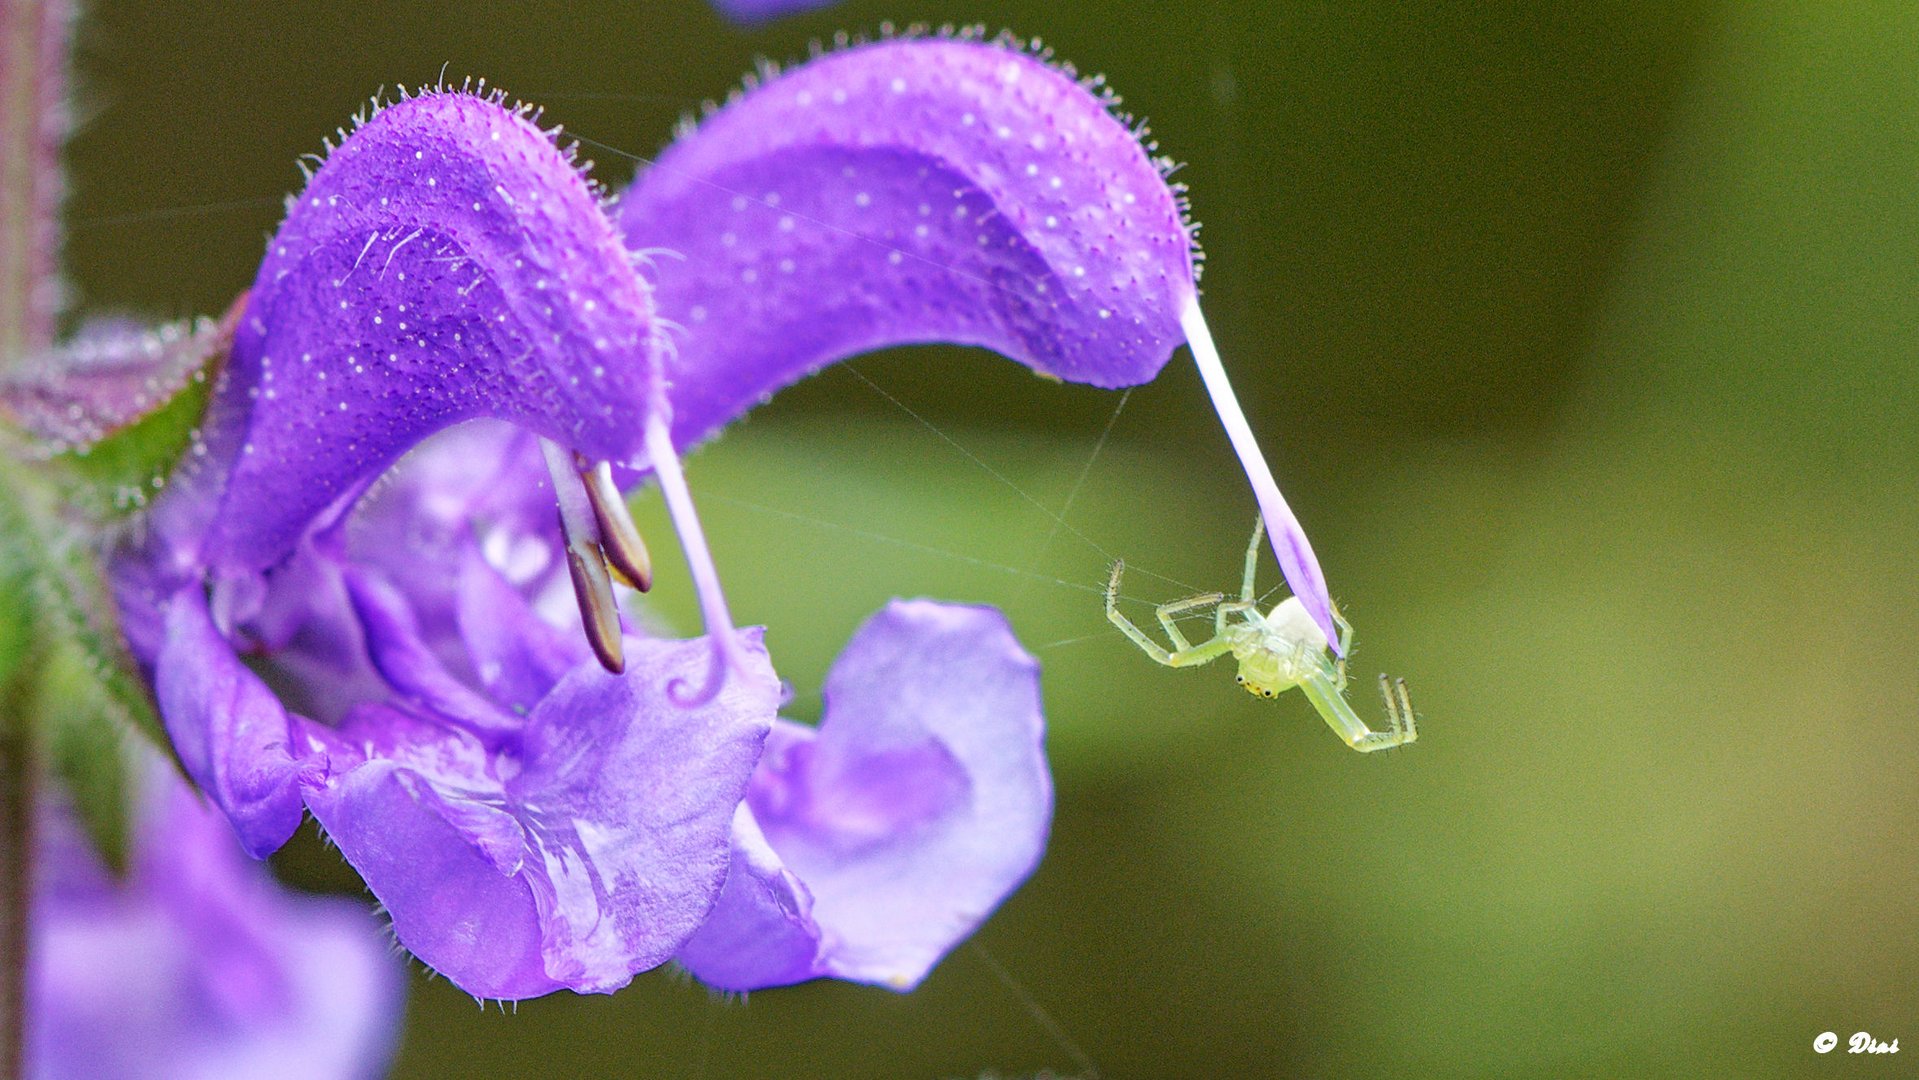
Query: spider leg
[[1399, 707], [1185, 656], [1252, 560], [1326, 697], [1246, 609], [1113, 615], [1180, 607]]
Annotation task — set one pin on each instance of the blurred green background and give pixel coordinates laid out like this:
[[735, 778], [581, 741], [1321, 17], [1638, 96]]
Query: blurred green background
[[1583, 339]]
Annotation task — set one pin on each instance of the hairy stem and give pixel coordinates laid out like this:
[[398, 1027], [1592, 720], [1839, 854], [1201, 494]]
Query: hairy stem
[[33, 124], [34, 37]]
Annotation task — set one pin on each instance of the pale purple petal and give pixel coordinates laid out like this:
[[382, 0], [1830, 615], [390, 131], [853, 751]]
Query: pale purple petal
[[582, 858], [305, 622], [909, 191], [761, 932], [517, 655], [446, 263], [228, 728], [753, 11], [409, 665], [197, 966], [479, 482], [629, 797], [451, 904], [921, 803]]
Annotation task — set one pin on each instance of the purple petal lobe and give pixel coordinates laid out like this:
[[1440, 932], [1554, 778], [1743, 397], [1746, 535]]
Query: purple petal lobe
[[923, 800], [909, 191], [408, 663], [761, 932], [516, 654], [630, 798], [446, 263], [583, 856], [452, 905], [228, 728]]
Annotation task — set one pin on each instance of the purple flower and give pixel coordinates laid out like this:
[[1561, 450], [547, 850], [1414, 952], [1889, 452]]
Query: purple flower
[[196, 964], [754, 11], [529, 820], [402, 515]]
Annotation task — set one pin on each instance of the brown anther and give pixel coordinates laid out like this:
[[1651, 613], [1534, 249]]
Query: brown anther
[[625, 552], [598, 613]]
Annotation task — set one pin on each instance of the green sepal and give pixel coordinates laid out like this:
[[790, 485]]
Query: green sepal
[[71, 605], [70, 679], [90, 753], [118, 475], [107, 416]]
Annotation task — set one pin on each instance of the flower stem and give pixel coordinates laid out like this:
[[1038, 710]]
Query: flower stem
[[33, 124], [34, 37], [16, 884]]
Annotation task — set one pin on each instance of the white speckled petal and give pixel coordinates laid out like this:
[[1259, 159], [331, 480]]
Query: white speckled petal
[[909, 191]]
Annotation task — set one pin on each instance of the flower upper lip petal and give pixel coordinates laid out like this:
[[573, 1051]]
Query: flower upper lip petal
[[446, 263], [954, 191]]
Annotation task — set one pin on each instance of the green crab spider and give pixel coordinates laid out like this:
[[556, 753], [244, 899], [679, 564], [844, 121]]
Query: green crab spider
[[1276, 651]]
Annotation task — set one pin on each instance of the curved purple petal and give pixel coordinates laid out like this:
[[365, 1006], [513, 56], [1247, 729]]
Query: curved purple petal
[[196, 965], [761, 932], [921, 803], [437, 873], [408, 663], [516, 655], [582, 858], [929, 190], [229, 729], [909, 191], [446, 263]]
